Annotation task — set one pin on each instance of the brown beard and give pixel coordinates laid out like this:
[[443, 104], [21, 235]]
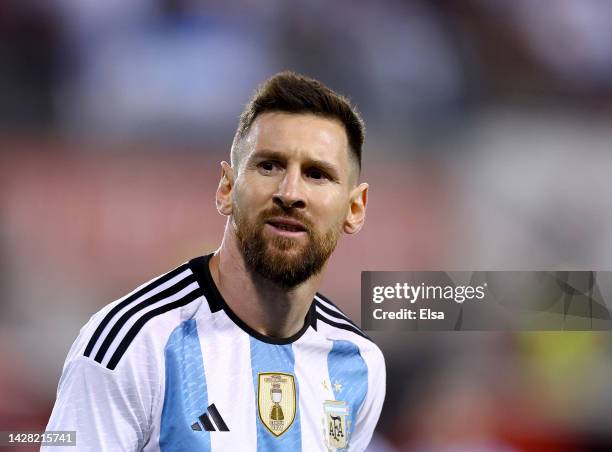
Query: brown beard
[[270, 258]]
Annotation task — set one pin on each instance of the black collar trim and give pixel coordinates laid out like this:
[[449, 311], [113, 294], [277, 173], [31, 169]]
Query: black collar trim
[[200, 268]]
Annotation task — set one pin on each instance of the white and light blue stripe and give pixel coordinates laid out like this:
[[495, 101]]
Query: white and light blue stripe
[[275, 358], [186, 395]]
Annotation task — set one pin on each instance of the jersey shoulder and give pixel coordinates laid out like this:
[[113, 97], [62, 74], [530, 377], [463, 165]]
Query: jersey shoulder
[[336, 324], [142, 319], [332, 316]]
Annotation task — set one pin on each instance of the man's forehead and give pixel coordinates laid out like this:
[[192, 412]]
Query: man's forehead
[[298, 133]]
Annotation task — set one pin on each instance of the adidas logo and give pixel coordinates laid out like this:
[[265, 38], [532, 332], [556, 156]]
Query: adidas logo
[[207, 422]]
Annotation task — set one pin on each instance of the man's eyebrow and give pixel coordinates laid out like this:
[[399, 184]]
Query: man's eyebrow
[[267, 154], [327, 167]]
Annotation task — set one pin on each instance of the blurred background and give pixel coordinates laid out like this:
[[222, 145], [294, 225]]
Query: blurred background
[[489, 148]]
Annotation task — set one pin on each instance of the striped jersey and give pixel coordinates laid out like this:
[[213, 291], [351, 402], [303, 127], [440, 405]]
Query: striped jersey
[[170, 367]]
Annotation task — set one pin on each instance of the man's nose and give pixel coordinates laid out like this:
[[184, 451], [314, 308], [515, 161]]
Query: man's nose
[[290, 192]]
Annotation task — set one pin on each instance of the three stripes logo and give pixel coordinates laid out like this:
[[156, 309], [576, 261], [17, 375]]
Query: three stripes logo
[[206, 422]]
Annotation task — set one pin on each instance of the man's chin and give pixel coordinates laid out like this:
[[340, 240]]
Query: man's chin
[[285, 255], [286, 245]]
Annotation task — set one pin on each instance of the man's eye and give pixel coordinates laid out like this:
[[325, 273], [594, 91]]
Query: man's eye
[[317, 174], [267, 166]]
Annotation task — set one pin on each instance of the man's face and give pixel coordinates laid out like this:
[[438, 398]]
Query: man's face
[[291, 195]]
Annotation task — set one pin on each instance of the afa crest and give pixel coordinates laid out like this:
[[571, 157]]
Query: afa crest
[[336, 424], [276, 401]]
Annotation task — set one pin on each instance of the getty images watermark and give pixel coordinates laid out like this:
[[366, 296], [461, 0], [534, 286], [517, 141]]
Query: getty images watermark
[[486, 301]]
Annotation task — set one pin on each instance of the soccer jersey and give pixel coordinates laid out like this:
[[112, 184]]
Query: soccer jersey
[[170, 367]]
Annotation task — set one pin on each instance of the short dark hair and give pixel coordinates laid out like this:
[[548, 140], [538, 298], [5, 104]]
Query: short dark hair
[[294, 93]]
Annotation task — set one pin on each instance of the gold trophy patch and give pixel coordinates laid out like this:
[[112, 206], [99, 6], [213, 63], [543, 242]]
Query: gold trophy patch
[[276, 401]]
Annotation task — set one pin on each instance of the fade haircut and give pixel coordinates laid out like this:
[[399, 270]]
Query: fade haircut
[[294, 93]]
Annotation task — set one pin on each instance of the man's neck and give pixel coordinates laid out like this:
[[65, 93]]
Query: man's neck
[[265, 307]]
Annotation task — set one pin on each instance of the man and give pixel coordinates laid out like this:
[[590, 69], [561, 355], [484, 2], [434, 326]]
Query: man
[[237, 350]]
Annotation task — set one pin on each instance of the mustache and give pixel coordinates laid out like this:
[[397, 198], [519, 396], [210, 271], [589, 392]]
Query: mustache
[[279, 212]]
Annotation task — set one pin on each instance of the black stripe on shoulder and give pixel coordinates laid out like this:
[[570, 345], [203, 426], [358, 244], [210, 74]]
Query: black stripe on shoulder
[[336, 314], [131, 334], [324, 298], [166, 293], [149, 287], [343, 326]]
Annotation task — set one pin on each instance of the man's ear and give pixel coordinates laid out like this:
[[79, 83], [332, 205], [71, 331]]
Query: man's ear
[[223, 197], [357, 209]]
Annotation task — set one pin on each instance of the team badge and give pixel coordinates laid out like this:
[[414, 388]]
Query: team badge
[[276, 401], [336, 424]]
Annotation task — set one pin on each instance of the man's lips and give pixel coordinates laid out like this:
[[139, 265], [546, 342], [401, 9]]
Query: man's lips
[[287, 224]]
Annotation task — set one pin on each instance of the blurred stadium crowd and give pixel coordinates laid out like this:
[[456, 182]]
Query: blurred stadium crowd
[[489, 148]]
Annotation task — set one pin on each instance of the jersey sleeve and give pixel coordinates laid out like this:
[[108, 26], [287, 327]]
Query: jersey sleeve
[[368, 415], [110, 410]]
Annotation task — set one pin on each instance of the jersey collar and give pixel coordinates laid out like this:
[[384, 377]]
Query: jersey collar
[[201, 270]]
